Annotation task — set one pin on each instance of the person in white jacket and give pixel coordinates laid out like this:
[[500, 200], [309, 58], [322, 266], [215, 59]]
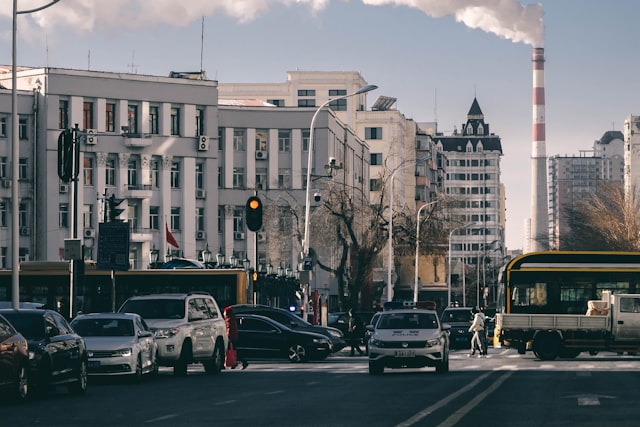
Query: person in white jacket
[[477, 327]]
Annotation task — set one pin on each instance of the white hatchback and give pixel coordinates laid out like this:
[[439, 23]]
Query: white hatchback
[[118, 344], [408, 338]]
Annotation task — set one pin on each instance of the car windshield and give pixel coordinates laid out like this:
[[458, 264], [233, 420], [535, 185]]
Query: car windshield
[[408, 321], [155, 308], [103, 327], [456, 316], [30, 325]]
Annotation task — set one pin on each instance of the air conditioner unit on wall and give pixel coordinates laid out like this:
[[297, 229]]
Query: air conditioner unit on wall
[[261, 155], [203, 143], [262, 236], [238, 236], [201, 235], [201, 194], [91, 138], [89, 232], [25, 231], [64, 188]]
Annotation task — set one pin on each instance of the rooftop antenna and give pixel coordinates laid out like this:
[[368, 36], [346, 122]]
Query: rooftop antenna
[[435, 105], [88, 59], [201, 46], [133, 65]]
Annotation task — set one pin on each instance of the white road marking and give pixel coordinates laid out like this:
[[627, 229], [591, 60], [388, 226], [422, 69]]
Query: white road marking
[[166, 417], [588, 399], [225, 402]]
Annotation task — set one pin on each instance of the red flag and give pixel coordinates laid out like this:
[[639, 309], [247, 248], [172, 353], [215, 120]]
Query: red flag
[[170, 239]]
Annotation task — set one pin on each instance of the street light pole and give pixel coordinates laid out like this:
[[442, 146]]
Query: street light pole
[[307, 203], [415, 284], [15, 155], [449, 261], [390, 240]]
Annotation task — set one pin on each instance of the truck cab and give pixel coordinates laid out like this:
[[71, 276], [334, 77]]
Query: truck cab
[[625, 322]]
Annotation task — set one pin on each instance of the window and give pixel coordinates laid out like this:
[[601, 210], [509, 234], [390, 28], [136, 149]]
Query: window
[[276, 102], [375, 184], [239, 139], [200, 122], [3, 127], [175, 121], [3, 214], [87, 171], [23, 129], [132, 118], [110, 117], [154, 173], [261, 178], [175, 175], [376, 159], [63, 215], [199, 176], [63, 114], [284, 139], [200, 219], [238, 220], [221, 133], [154, 217], [175, 218], [306, 92], [23, 168], [238, 177], [304, 177], [87, 115], [220, 219], [338, 105], [373, 133], [110, 172], [23, 215], [87, 216], [284, 178], [220, 177], [306, 102], [305, 139], [132, 173], [153, 120], [262, 139], [3, 167]]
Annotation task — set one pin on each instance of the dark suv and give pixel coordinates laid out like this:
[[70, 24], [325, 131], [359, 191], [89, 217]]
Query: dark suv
[[460, 319], [294, 322]]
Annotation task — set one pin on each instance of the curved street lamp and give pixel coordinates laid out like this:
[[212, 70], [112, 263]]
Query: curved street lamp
[[415, 283], [390, 240], [15, 150]]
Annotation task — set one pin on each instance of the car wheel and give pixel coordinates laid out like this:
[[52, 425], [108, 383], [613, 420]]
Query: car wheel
[[180, 369], [79, 386], [375, 368], [137, 375], [297, 353], [214, 365], [547, 346], [443, 366], [22, 385]]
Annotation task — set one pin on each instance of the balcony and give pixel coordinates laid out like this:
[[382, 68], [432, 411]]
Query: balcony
[[137, 191], [135, 140], [140, 235]]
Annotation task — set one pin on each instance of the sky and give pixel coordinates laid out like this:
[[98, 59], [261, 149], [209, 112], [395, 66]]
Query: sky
[[434, 56]]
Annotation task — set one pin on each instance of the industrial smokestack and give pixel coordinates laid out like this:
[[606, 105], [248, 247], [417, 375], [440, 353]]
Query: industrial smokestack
[[539, 234]]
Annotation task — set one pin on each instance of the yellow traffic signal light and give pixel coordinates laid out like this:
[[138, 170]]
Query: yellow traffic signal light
[[254, 213]]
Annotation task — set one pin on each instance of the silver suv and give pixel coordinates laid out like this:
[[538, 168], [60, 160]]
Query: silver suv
[[189, 328]]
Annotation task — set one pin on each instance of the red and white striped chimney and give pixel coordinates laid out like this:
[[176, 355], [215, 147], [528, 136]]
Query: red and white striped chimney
[[539, 233]]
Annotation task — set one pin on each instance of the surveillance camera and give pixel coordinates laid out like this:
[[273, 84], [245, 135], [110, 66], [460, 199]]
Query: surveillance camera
[[332, 161], [316, 196]]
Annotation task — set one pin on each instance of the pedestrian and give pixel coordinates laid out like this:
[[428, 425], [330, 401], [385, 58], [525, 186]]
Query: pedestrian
[[483, 334], [477, 327], [353, 332], [232, 333]]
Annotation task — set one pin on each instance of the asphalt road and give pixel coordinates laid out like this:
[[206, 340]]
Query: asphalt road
[[503, 389]]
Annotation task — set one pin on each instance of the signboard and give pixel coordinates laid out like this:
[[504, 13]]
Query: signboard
[[307, 263], [113, 246], [72, 249]]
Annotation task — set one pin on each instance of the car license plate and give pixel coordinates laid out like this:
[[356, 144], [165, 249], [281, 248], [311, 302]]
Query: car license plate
[[405, 353], [94, 363]]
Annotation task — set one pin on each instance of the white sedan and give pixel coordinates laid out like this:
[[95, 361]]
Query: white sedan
[[118, 344]]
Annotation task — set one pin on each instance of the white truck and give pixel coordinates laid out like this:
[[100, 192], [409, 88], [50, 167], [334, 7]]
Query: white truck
[[611, 324]]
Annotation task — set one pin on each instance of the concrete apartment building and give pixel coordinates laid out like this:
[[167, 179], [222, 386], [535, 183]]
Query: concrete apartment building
[[573, 178]]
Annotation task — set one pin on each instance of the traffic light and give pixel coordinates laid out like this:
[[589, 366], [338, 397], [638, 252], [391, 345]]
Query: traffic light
[[114, 212], [65, 155], [254, 213]]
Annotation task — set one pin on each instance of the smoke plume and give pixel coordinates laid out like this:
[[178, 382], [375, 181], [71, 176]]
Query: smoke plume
[[508, 19]]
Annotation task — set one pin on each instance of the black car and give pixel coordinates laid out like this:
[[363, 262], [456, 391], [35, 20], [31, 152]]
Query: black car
[[460, 319], [262, 337], [58, 356], [340, 320], [294, 322], [14, 362]]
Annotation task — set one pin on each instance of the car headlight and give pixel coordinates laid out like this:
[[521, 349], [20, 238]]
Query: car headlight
[[166, 332], [376, 343], [335, 333], [320, 341], [123, 352]]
